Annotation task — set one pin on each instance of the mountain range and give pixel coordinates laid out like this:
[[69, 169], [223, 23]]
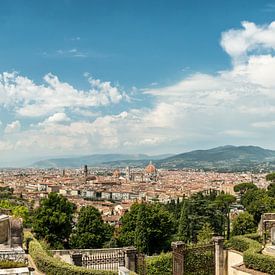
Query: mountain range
[[95, 160], [225, 158]]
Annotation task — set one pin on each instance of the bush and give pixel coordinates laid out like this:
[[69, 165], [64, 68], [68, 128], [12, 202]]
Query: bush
[[53, 266], [252, 256], [161, 264], [11, 264], [254, 236]]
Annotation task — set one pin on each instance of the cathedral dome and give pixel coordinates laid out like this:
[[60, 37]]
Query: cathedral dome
[[150, 168], [116, 173]]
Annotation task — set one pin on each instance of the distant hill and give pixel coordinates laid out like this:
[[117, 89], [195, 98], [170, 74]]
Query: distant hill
[[224, 158], [95, 160]]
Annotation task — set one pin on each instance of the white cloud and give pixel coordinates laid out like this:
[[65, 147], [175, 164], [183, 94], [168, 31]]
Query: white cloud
[[13, 127], [264, 124], [56, 118], [238, 43], [28, 99], [5, 146]]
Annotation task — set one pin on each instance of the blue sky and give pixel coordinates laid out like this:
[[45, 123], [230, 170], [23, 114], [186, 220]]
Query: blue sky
[[83, 77]]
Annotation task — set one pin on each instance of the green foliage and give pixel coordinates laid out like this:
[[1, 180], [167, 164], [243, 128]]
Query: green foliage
[[6, 192], [270, 177], [90, 231], [259, 261], [201, 208], [17, 209], [53, 220], [52, 266], [197, 263], [243, 224], [184, 232], [174, 207], [244, 187], [141, 232], [149, 227], [254, 236], [242, 243], [22, 212], [258, 202], [205, 234], [161, 264], [11, 264], [252, 256], [271, 190]]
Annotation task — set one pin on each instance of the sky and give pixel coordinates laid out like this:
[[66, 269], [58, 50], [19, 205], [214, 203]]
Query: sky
[[79, 77]]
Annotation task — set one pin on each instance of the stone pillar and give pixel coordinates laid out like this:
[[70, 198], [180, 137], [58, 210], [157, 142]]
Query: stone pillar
[[272, 235], [130, 258], [123, 271], [219, 257], [178, 257], [77, 259]]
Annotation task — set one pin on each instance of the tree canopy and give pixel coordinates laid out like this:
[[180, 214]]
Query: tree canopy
[[205, 234], [242, 188], [149, 227], [271, 190], [270, 177], [258, 202], [243, 224], [90, 230], [53, 220], [204, 208]]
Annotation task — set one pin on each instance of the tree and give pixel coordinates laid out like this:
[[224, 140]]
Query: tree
[[22, 212], [242, 188], [142, 237], [53, 220], [184, 233], [149, 227], [205, 234], [270, 177], [90, 230], [243, 224], [271, 190], [258, 202], [223, 202]]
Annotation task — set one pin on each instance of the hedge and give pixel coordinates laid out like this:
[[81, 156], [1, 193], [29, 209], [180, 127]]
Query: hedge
[[11, 264], [161, 264], [254, 236], [252, 256], [53, 266]]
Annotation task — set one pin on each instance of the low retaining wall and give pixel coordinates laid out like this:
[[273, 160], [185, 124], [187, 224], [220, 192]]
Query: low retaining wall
[[232, 259], [234, 264]]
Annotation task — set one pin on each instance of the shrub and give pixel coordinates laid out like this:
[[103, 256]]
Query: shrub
[[161, 264], [11, 264], [252, 256], [53, 266], [254, 236]]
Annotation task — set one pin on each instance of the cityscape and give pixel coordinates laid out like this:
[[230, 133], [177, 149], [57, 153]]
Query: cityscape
[[137, 137]]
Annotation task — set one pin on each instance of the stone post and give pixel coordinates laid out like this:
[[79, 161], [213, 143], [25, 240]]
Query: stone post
[[219, 258], [178, 257], [130, 258], [123, 271], [77, 259]]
